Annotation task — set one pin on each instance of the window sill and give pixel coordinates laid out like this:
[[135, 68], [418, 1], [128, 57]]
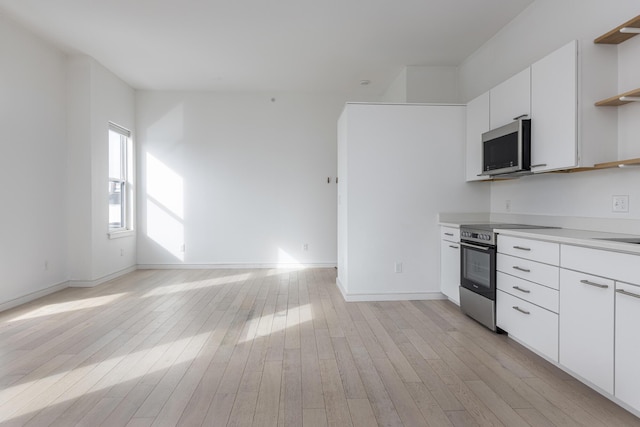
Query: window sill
[[120, 234]]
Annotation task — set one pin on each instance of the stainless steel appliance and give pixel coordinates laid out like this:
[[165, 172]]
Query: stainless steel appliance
[[478, 270], [507, 149]]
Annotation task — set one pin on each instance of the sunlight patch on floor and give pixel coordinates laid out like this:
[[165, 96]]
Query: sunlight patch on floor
[[68, 306]]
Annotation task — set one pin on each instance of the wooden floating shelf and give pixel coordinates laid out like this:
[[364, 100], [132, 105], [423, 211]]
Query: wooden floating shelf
[[615, 36], [615, 101], [628, 162]]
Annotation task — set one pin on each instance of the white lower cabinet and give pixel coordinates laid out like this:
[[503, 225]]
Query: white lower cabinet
[[450, 263], [586, 327], [627, 372], [585, 317], [534, 326]]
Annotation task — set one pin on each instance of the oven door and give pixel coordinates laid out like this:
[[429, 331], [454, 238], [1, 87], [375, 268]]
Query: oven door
[[478, 269]]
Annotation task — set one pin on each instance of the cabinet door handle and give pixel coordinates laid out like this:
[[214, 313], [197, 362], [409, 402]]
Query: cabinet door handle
[[448, 234], [516, 308], [453, 246], [597, 285], [522, 248], [631, 294], [526, 270], [518, 288], [538, 165]]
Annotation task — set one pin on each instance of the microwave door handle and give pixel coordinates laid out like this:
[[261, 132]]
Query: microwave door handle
[[484, 248]]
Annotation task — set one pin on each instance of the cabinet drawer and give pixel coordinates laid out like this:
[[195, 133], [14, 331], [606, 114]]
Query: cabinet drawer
[[614, 265], [544, 274], [528, 291], [534, 326], [450, 233], [535, 250]]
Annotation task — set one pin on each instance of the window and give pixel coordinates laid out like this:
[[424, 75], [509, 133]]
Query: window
[[119, 168]]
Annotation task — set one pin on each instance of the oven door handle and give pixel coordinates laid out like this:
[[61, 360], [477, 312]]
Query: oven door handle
[[469, 245]]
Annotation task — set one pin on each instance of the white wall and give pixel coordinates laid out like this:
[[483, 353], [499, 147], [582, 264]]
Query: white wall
[[424, 84], [32, 165], [236, 178], [432, 84], [403, 166], [397, 90], [540, 29], [96, 97]]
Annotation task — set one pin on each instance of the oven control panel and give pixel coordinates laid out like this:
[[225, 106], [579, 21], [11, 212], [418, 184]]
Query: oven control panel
[[482, 237], [473, 235]]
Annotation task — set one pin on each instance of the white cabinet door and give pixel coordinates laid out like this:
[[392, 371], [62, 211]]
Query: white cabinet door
[[511, 99], [534, 326], [586, 327], [450, 270], [554, 110], [628, 344], [477, 124]]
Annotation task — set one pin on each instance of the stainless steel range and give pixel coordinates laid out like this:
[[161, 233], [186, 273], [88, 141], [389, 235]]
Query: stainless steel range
[[478, 270]]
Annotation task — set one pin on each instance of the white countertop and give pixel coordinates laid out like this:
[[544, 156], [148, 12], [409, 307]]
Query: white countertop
[[569, 236]]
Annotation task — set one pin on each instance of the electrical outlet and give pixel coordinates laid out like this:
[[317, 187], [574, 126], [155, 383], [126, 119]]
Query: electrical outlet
[[398, 267], [507, 205], [46, 265], [182, 247], [305, 247], [620, 204]]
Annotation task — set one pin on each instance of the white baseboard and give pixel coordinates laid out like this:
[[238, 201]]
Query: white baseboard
[[391, 296], [33, 296], [96, 282], [294, 266]]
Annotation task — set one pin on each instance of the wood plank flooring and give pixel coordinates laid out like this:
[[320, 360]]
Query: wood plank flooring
[[271, 348]]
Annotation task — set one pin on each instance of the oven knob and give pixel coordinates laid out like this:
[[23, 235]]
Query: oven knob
[[486, 237]]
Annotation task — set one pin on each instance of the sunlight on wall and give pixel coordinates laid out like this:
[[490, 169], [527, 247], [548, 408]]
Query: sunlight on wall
[[68, 306], [165, 206], [287, 261], [165, 186], [165, 229]]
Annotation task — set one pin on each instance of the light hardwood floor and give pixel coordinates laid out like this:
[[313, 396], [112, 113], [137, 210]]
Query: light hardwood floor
[[270, 348]]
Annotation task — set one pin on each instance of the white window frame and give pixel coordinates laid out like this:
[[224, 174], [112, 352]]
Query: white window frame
[[125, 182]]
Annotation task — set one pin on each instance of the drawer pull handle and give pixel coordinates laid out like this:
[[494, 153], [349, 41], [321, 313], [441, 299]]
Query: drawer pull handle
[[597, 285], [522, 248], [538, 165], [454, 247], [518, 288], [631, 294], [526, 270], [516, 308], [448, 234]]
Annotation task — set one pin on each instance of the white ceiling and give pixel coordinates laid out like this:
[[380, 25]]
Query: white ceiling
[[265, 45]]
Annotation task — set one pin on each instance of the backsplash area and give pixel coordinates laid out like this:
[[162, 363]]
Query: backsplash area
[[584, 195]]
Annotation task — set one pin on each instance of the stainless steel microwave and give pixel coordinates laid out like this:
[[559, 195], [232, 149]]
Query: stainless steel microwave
[[507, 149]]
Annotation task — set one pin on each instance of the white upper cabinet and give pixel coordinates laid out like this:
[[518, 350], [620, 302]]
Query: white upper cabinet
[[477, 124], [554, 110], [511, 99]]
